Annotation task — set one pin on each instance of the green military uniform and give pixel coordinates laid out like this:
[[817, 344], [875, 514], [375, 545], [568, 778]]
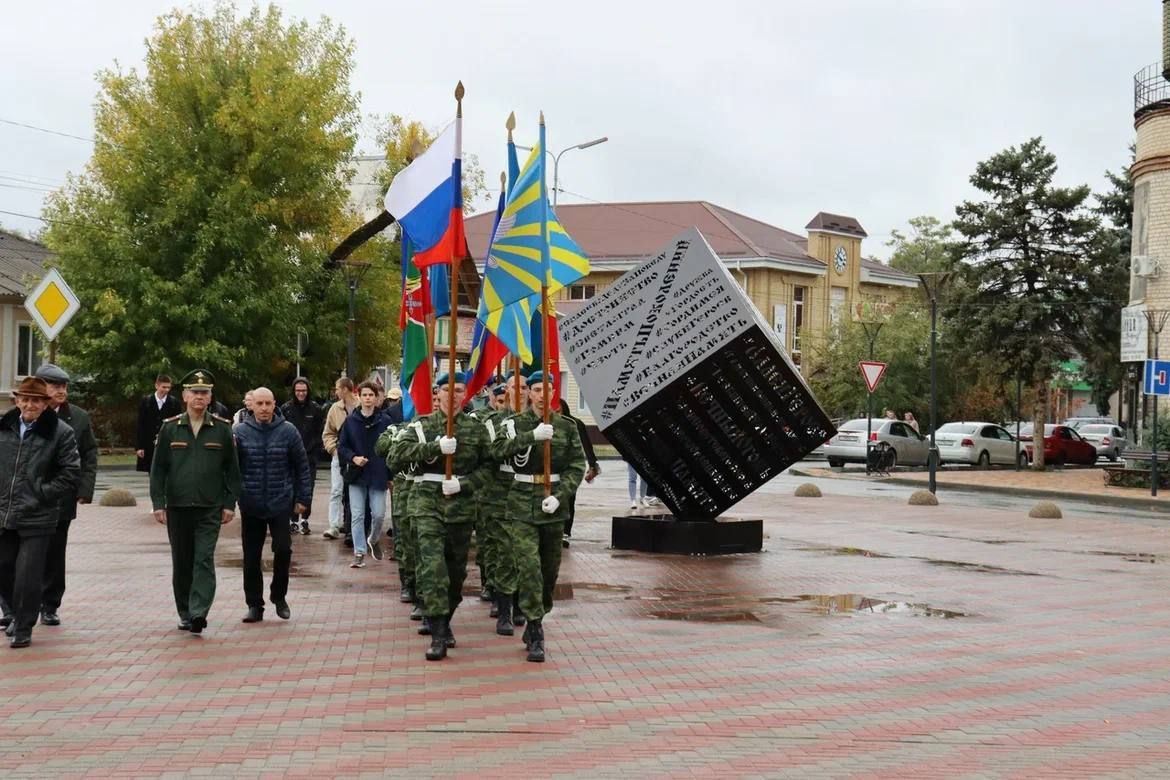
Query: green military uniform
[[443, 524], [194, 476], [405, 543], [485, 541], [536, 533], [501, 568]]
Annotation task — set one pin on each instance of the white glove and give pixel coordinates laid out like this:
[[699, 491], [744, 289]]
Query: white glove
[[550, 504], [542, 432], [451, 486], [447, 445]]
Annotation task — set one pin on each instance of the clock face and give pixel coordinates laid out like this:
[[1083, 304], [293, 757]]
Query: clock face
[[840, 260]]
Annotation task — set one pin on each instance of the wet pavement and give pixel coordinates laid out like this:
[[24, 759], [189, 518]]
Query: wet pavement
[[869, 637]]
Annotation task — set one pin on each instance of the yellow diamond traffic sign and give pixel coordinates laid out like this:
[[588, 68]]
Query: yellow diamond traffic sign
[[52, 304]]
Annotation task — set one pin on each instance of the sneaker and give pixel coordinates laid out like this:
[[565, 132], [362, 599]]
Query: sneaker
[[332, 533], [565, 540], [375, 548], [359, 562], [633, 505], [305, 528], [651, 501], [294, 527]]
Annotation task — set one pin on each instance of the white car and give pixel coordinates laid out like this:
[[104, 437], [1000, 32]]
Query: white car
[[848, 446], [1108, 439], [980, 444]]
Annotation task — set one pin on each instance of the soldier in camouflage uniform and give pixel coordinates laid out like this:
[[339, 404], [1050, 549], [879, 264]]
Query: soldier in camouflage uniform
[[537, 521], [405, 547], [493, 510], [444, 509]]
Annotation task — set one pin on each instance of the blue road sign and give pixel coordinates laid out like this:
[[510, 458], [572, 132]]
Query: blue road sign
[[1157, 377]]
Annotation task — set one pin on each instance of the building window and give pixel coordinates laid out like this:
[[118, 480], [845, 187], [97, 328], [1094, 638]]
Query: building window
[[836, 307], [28, 349], [581, 292], [799, 296]]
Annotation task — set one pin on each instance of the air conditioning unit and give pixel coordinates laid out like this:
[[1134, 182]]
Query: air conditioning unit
[[1145, 266]]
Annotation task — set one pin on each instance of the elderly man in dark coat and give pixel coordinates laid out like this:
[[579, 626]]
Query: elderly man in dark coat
[[78, 419], [40, 464]]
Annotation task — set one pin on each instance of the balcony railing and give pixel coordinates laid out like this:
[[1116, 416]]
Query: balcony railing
[[1151, 90]]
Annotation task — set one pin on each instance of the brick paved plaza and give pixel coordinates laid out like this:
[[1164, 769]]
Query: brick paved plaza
[[870, 639]]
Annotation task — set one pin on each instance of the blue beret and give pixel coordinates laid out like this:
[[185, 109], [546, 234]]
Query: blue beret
[[442, 379], [500, 390], [535, 378]]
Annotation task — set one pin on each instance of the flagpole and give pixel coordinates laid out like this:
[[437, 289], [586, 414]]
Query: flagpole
[[545, 262], [453, 283]]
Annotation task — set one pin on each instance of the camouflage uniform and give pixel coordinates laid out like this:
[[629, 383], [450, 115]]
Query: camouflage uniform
[[443, 524], [501, 569], [405, 545], [537, 534]]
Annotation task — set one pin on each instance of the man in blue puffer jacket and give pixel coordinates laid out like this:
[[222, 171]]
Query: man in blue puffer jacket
[[276, 483]]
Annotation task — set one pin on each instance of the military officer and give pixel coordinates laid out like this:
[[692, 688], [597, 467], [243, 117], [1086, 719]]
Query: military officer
[[444, 509], [537, 520], [194, 481]]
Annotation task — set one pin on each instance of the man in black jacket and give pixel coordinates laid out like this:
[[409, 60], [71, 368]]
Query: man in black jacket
[[78, 419], [39, 461], [153, 409], [309, 419], [276, 484]]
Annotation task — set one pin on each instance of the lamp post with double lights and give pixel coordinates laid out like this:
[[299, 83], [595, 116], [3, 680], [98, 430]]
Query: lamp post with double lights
[[557, 160]]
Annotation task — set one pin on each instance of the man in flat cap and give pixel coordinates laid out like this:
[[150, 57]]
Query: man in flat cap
[[194, 481], [39, 461], [57, 382]]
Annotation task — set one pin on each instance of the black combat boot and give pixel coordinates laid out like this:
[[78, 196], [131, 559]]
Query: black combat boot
[[504, 615], [536, 642], [450, 631], [438, 649], [416, 612], [406, 595], [527, 636], [518, 616], [425, 628]]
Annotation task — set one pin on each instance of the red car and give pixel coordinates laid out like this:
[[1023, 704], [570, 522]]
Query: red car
[[1061, 445]]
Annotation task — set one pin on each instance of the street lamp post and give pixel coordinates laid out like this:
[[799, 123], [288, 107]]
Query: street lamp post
[[557, 161], [932, 283], [354, 270]]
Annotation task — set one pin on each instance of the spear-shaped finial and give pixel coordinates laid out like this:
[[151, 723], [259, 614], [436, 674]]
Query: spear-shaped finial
[[511, 125], [503, 180], [542, 118], [459, 91]]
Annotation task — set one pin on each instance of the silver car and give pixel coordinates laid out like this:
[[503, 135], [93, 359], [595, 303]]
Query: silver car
[[980, 444], [848, 446], [1108, 439]]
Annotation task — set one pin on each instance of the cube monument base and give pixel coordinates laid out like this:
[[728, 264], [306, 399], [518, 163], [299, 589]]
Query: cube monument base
[[679, 536]]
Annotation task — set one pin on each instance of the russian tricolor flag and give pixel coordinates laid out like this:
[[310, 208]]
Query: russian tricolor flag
[[426, 198]]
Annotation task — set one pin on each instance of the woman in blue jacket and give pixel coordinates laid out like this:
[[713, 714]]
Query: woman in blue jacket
[[367, 486]]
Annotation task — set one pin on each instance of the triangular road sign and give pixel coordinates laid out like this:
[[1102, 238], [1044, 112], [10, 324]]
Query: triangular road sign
[[872, 372]]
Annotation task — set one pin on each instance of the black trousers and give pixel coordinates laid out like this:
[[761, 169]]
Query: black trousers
[[252, 533], [22, 566], [55, 567]]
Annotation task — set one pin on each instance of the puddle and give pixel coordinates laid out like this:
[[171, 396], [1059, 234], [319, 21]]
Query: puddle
[[980, 567], [1127, 556], [965, 538], [707, 616], [729, 608], [852, 603], [844, 551]]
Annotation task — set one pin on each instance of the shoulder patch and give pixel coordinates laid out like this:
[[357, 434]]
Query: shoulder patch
[[221, 419]]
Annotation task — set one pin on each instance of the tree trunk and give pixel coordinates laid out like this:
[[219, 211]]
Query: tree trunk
[[1039, 419]]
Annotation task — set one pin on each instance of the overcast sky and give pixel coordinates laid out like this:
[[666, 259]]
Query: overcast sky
[[878, 109]]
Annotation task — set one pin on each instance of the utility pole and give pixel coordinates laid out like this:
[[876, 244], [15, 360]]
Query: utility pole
[[1155, 320], [932, 284]]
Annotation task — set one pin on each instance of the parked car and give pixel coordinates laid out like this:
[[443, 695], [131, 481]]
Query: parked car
[[1061, 445], [978, 443], [848, 446], [1108, 439], [1076, 423]]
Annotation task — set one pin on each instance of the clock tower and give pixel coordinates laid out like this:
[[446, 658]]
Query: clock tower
[[835, 240]]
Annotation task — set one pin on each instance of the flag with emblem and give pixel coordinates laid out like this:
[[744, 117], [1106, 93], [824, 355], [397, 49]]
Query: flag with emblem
[[415, 377], [487, 349], [522, 255]]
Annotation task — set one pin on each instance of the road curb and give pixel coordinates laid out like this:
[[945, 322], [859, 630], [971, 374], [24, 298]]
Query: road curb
[[1089, 498]]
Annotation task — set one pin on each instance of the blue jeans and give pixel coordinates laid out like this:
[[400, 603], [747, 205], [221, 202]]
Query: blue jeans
[[633, 483], [358, 496]]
